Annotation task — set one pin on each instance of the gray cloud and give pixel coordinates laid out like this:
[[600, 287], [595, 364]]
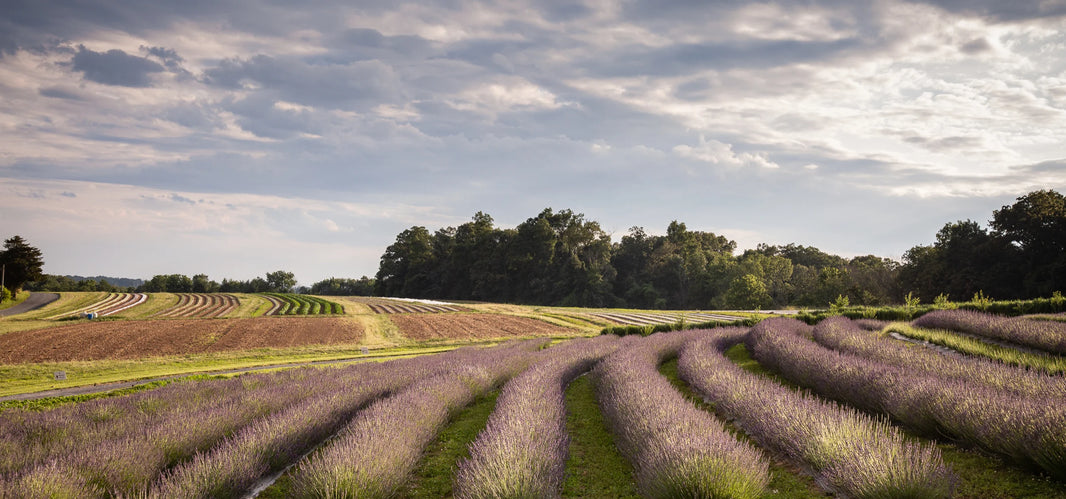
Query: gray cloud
[[296, 80], [115, 67]]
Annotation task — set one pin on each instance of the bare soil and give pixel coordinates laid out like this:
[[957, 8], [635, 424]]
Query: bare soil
[[472, 326], [139, 339]]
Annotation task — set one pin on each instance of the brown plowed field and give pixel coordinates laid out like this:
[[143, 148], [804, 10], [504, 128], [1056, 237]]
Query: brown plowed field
[[138, 339], [478, 326]]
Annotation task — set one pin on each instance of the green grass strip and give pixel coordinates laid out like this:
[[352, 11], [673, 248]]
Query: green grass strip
[[434, 475], [1051, 364], [594, 468]]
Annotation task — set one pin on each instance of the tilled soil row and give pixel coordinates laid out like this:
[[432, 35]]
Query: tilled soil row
[[464, 325], [139, 339]]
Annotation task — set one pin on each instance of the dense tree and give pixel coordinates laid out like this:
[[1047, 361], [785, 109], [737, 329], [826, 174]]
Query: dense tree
[[281, 281], [965, 259], [364, 286], [21, 262], [1036, 226]]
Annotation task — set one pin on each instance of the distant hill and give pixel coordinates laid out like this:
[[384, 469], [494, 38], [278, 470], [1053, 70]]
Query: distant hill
[[117, 281]]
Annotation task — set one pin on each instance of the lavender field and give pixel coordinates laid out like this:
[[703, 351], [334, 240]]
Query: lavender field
[[842, 404]]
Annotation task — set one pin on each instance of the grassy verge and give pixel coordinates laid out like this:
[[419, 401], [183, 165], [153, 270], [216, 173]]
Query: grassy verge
[[67, 302], [53, 402], [980, 475], [28, 378], [594, 468], [786, 480], [435, 473], [19, 298], [1052, 364]]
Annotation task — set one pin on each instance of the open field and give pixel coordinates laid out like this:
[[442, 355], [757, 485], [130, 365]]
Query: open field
[[717, 423], [138, 339], [472, 326]]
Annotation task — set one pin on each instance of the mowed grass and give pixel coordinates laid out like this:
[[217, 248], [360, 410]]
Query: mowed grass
[[980, 475], [28, 378], [1049, 363], [595, 467]]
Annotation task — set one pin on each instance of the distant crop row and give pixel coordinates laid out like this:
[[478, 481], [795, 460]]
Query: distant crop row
[[113, 303], [293, 304], [359, 431], [201, 305]]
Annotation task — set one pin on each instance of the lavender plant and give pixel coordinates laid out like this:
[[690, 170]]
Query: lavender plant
[[522, 451], [677, 449], [851, 452], [1031, 432], [273, 443], [1049, 336], [848, 336], [373, 456]]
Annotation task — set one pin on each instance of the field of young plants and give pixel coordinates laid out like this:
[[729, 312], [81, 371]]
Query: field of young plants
[[860, 409]]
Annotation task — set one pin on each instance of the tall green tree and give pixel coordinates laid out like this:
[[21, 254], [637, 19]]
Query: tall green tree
[[22, 263], [281, 281], [407, 265], [1036, 225]]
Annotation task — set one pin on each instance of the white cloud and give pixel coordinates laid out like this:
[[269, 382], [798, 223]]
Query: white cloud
[[720, 153]]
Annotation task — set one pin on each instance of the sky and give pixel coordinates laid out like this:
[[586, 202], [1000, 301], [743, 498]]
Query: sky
[[238, 137]]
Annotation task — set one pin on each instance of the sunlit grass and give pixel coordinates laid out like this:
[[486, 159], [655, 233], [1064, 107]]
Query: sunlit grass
[[1053, 364]]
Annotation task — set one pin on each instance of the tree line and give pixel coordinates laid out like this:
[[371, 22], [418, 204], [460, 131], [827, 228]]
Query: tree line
[[562, 258]]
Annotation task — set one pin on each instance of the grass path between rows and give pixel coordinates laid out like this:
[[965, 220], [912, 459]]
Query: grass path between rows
[[980, 475]]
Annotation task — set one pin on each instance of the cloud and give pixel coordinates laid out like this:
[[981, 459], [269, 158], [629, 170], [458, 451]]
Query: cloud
[[115, 67], [720, 153]]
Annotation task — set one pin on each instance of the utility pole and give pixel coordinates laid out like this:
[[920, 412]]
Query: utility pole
[[3, 274]]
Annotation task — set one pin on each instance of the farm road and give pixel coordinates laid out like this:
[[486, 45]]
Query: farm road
[[35, 301], [106, 387]]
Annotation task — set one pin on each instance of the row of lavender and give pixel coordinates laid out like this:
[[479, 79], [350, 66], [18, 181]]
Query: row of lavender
[[217, 439], [1018, 417], [1042, 333], [851, 452], [206, 439]]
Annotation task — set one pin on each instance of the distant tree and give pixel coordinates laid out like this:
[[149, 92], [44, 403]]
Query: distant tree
[[747, 292], [1036, 225], [202, 284], [281, 281], [22, 263], [407, 265], [364, 286]]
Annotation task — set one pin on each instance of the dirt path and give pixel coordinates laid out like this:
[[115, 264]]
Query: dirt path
[[34, 302]]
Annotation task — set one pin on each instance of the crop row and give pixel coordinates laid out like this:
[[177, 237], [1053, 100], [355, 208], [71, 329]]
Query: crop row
[[851, 452], [1028, 430], [523, 449], [414, 308], [201, 305], [676, 449], [293, 304], [877, 346], [223, 438], [647, 319], [1045, 335], [123, 446], [112, 304]]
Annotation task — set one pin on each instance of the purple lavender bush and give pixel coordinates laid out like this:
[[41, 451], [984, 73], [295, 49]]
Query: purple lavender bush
[[1029, 431], [851, 453], [843, 335], [375, 453], [1049, 336], [523, 449], [676, 448]]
